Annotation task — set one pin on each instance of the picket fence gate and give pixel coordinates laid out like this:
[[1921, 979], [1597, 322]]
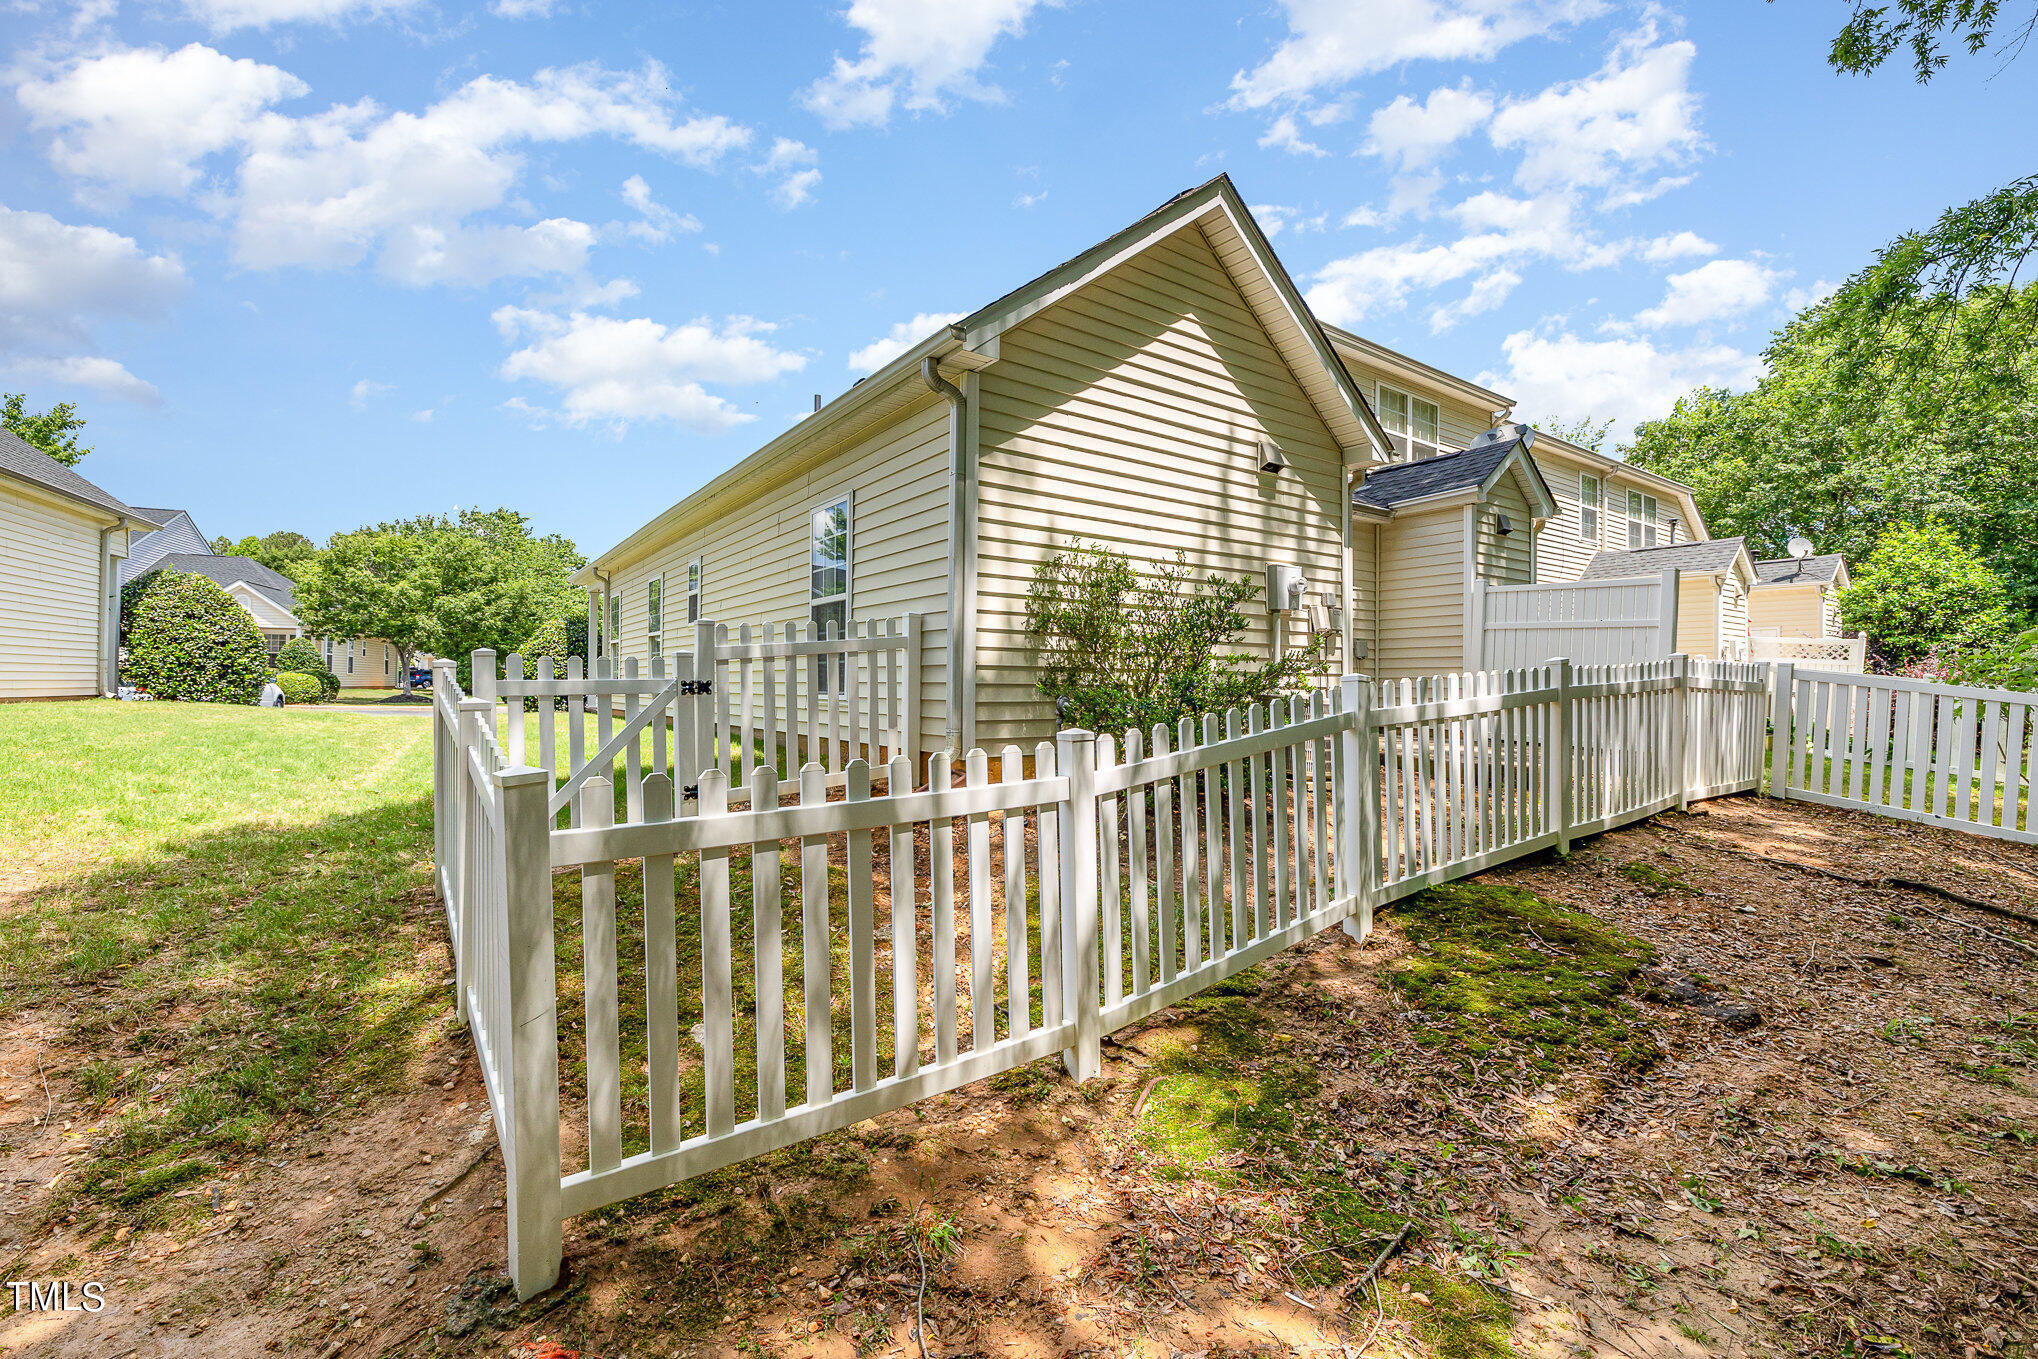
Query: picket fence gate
[[1088, 885], [1942, 754]]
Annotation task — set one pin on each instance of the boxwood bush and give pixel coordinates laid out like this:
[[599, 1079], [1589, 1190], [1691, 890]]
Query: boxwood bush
[[300, 688], [188, 639], [301, 656]]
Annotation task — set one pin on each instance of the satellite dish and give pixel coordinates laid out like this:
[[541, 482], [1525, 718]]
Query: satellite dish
[[1800, 548]]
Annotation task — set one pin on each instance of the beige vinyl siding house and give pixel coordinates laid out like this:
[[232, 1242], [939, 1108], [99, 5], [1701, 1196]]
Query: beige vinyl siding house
[[1128, 414], [1793, 598], [61, 540], [1592, 493], [753, 555], [1714, 577], [1422, 595]]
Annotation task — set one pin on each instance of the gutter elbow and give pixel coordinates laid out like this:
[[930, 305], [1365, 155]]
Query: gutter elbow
[[930, 373]]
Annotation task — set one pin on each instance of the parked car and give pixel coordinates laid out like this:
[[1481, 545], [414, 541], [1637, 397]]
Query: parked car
[[420, 677]]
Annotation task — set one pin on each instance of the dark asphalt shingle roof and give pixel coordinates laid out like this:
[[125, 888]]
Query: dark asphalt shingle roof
[[1701, 559], [1400, 482], [179, 533], [22, 459], [1820, 570], [234, 570]]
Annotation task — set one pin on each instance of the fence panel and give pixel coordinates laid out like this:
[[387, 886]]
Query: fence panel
[[1848, 655], [1591, 622], [1942, 754]]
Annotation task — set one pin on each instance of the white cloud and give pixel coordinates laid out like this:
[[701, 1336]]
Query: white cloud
[[421, 255], [1275, 219], [358, 396], [1331, 43], [658, 223], [618, 370], [423, 417], [1677, 246], [1416, 134], [901, 337], [1487, 293], [794, 164], [1500, 234], [1555, 375], [1030, 200], [1712, 292], [1798, 299], [90, 371], [223, 16], [138, 121], [524, 9], [1283, 134], [1615, 130], [917, 54], [57, 281]]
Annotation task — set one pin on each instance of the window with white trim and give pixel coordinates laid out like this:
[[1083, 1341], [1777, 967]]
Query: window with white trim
[[654, 612], [615, 624], [1588, 509], [1641, 520], [1413, 422], [828, 549], [693, 591]]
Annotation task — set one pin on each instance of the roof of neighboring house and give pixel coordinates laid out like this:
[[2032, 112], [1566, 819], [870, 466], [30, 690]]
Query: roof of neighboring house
[[1604, 466], [1394, 360], [1713, 557], [178, 532], [1397, 484], [236, 571], [1827, 569], [24, 461]]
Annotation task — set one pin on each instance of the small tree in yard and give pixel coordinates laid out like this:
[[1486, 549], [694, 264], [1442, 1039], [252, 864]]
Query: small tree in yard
[[1923, 592], [188, 639], [1121, 648], [300, 656]]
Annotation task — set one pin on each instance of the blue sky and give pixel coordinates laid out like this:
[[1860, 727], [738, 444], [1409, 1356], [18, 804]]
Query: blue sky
[[311, 264]]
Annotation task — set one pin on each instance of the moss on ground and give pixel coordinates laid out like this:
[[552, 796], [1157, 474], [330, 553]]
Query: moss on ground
[[1456, 1318], [1653, 880], [1499, 972]]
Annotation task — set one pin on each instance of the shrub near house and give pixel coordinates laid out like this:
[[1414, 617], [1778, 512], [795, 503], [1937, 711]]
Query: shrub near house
[[188, 639]]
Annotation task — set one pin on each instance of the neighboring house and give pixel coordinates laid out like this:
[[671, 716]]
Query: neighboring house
[[1713, 583], [269, 597], [1166, 390], [1797, 598], [61, 541], [1604, 505]]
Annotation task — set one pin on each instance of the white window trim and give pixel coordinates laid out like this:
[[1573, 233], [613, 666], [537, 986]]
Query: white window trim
[[846, 499], [657, 633], [697, 584], [1597, 507], [1436, 445]]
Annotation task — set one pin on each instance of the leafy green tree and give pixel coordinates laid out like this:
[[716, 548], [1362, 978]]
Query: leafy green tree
[[1878, 28], [1122, 648], [189, 639], [447, 586], [1923, 592], [55, 431], [287, 553], [1840, 441], [1584, 432]]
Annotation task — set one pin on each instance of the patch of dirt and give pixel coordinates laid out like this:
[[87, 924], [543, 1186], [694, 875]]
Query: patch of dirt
[[1856, 1173]]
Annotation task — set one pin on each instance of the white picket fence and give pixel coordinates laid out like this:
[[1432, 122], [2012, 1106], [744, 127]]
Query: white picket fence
[[1849, 655], [1087, 886], [1592, 622], [1942, 754]]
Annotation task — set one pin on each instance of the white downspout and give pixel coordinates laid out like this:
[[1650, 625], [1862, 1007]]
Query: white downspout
[[109, 616], [960, 726]]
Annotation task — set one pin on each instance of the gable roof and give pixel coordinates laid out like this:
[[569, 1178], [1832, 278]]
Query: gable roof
[[1264, 283], [178, 533], [225, 571], [1715, 556], [972, 344], [23, 461], [1827, 569], [1476, 468]]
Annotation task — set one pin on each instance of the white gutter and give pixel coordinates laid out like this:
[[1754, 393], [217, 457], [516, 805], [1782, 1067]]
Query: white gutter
[[960, 727]]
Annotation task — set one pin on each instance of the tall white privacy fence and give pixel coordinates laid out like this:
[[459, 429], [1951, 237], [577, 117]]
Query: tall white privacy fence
[[1592, 622], [1849, 655], [747, 978], [1943, 754]]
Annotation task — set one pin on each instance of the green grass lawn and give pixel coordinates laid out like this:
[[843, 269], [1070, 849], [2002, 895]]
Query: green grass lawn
[[226, 911]]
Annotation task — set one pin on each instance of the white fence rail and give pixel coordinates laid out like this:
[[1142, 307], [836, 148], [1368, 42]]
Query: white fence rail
[[1942, 754], [1592, 622], [832, 959], [1848, 655]]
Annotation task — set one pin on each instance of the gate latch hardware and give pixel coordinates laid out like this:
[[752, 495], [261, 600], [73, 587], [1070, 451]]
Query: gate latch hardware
[[697, 686], [690, 793]]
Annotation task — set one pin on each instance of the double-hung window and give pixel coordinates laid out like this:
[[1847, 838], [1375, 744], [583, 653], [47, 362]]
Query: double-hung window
[[1588, 509], [828, 583], [693, 591], [654, 613], [1412, 422], [1641, 520], [615, 631]]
